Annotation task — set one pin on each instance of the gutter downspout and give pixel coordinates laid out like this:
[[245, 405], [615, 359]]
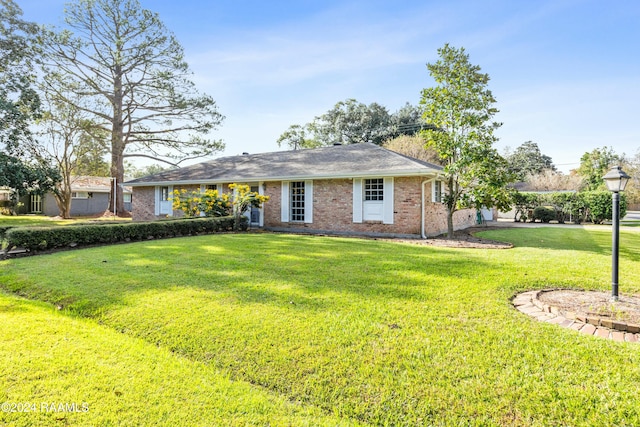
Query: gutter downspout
[[115, 196], [422, 216]]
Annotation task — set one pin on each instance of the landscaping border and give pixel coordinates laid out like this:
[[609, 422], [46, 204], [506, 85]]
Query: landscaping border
[[529, 303]]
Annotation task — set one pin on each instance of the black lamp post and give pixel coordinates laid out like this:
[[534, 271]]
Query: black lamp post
[[616, 180]]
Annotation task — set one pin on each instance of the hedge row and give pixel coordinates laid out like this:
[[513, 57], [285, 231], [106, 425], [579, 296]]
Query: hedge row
[[586, 206], [3, 231], [47, 238]]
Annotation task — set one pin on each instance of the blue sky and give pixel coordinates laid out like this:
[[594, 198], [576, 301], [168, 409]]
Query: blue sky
[[565, 73]]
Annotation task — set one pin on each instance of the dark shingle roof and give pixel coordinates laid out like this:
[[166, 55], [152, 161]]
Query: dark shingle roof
[[355, 160]]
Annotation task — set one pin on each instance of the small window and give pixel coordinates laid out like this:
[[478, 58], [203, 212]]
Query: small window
[[374, 189], [127, 197], [297, 201], [79, 195], [437, 191], [164, 194]]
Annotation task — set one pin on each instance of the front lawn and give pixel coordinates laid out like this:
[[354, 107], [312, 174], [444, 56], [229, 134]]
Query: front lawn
[[371, 332], [47, 221], [61, 371], [29, 221]]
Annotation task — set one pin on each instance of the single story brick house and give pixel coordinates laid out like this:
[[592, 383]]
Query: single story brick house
[[359, 189]]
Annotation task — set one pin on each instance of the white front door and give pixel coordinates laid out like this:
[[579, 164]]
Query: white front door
[[164, 201], [373, 203]]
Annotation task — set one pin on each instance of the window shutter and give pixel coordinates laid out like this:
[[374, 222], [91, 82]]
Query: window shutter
[[357, 200], [156, 210], [387, 213], [308, 202], [284, 202]]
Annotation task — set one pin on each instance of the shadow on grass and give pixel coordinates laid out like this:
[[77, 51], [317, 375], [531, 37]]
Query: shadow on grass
[[252, 269]]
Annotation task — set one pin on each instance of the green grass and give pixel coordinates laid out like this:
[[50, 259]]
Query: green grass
[[46, 221], [30, 221], [48, 359], [364, 331]]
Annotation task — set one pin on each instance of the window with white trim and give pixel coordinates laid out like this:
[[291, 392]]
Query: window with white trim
[[126, 197], [296, 200], [374, 189], [36, 203], [79, 194], [436, 192]]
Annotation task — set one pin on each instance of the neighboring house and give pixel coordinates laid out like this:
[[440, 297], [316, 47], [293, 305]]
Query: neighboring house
[[360, 189], [89, 196]]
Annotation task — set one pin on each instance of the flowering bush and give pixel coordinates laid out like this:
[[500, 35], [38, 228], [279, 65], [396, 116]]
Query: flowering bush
[[195, 204], [243, 199], [211, 203]]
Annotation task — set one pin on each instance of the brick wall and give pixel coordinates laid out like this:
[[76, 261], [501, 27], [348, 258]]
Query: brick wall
[[333, 209], [143, 204], [144, 200], [436, 219]]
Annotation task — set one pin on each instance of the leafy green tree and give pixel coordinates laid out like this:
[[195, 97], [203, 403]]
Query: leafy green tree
[[19, 102], [135, 172], [460, 107], [92, 151], [527, 160], [132, 77], [352, 122], [407, 121], [632, 167], [26, 177], [594, 165], [297, 137], [67, 138]]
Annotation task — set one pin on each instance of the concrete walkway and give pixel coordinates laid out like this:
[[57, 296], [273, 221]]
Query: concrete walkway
[[632, 216]]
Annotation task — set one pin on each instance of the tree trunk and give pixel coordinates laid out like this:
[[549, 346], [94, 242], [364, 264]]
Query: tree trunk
[[64, 205], [451, 208], [449, 224], [117, 172], [63, 197], [117, 146]]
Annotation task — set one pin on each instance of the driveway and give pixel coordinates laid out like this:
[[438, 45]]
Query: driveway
[[632, 216]]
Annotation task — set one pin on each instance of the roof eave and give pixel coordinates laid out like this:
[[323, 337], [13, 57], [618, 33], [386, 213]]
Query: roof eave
[[405, 173]]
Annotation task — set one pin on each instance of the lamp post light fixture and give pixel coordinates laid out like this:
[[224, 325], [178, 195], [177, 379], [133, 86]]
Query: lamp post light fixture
[[616, 180]]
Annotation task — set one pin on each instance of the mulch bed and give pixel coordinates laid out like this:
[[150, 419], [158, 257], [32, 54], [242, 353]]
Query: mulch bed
[[594, 304], [461, 239]]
